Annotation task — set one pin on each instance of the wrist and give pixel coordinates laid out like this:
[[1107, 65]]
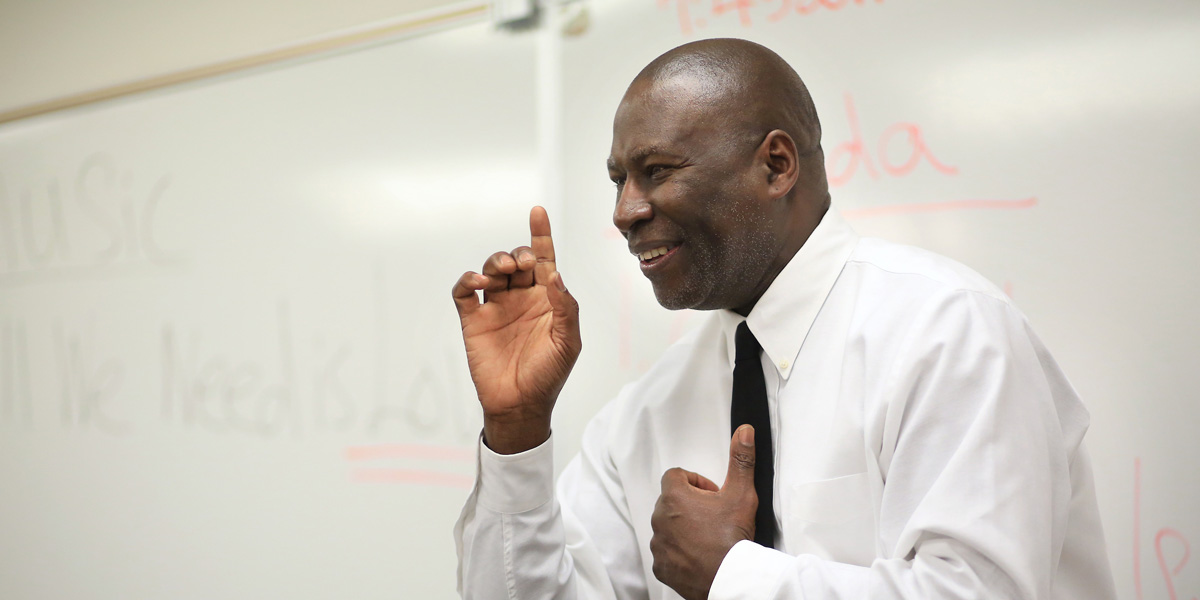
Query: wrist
[[512, 436]]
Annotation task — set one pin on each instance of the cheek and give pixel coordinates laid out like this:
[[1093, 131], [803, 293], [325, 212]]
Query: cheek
[[743, 242], [719, 218]]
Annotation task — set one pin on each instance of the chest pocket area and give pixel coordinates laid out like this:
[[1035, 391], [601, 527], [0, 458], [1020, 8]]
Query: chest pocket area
[[833, 519]]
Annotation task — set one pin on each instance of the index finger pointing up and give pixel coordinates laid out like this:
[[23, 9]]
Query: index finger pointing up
[[542, 245]]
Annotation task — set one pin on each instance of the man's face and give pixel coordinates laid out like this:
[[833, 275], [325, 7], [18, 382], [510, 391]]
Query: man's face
[[687, 183]]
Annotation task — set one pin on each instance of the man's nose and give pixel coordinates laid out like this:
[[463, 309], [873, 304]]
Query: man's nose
[[632, 206]]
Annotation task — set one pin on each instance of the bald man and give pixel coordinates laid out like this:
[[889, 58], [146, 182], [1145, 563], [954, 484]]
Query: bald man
[[918, 440]]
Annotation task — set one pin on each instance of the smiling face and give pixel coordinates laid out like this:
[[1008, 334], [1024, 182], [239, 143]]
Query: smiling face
[[692, 197]]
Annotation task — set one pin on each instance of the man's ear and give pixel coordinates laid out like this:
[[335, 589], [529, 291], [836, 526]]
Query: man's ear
[[781, 161]]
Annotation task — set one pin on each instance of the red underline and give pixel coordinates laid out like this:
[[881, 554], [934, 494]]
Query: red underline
[[417, 451], [413, 477], [927, 207]]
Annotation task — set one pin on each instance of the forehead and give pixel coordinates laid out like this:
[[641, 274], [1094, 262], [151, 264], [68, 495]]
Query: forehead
[[665, 117]]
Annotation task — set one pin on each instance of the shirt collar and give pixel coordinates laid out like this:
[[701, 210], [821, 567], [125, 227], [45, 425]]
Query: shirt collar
[[784, 314]]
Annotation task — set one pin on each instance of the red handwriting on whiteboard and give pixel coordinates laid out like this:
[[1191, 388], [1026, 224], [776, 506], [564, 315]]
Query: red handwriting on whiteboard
[[625, 322], [944, 206], [440, 477], [679, 324], [692, 15], [844, 160], [1170, 568]]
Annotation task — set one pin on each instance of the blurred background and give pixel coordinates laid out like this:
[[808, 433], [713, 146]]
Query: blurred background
[[229, 363]]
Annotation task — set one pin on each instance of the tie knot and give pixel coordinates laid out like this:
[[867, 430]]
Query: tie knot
[[746, 344]]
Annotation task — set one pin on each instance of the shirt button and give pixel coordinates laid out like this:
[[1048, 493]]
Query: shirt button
[[783, 365]]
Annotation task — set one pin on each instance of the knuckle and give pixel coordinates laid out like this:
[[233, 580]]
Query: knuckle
[[463, 285], [744, 460], [497, 259], [657, 517], [670, 475]]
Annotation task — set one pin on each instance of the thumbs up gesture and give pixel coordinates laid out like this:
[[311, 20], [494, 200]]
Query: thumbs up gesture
[[695, 523]]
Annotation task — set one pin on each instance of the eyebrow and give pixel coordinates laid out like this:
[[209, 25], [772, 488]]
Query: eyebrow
[[640, 155]]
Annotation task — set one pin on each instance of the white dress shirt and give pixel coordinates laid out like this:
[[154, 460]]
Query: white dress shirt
[[927, 447]]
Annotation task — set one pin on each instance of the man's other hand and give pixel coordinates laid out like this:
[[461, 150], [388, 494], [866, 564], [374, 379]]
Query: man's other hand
[[695, 523], [522, 340]]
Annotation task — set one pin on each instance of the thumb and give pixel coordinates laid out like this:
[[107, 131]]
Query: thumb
[[741, 460], [566, 309]]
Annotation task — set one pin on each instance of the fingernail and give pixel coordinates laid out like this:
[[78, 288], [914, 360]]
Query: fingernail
[[558, 282], [746, 435]]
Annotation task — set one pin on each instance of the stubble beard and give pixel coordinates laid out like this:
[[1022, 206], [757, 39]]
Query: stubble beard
[[710, 285]]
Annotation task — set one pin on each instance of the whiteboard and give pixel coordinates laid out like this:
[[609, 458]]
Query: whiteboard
[[230, 366], [229, 361]]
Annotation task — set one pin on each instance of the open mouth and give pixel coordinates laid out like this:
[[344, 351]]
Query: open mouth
[[656, 255]]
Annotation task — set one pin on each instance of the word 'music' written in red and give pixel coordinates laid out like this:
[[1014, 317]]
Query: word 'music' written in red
[[692, 13]]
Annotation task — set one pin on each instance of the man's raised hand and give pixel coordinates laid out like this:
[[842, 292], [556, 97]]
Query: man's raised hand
[[522, 340]]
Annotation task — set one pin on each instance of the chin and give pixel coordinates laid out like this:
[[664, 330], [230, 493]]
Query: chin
[[681, 299], [675, 305]]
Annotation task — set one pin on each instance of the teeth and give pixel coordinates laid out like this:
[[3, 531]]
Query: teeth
[[649, 254]]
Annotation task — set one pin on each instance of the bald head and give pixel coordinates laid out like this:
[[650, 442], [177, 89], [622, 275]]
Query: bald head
[[746, 85]]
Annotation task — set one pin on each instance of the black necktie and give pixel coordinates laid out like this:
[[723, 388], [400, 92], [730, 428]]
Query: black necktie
[[750, 406]]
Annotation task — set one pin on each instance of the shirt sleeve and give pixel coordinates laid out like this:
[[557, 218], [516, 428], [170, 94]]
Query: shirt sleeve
[[977, 463], [518, 537]]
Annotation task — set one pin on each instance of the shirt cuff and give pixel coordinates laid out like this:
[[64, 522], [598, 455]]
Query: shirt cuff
[[749, 571], [516, 483]]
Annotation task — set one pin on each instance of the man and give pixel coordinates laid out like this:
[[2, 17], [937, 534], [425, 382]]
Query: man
[[915, 438]]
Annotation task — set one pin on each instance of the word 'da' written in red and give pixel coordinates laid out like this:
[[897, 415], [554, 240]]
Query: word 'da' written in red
[[844, 159], [692, 14]]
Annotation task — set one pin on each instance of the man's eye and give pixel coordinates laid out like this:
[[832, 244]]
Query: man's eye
[[656, 170], [618, 181]]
